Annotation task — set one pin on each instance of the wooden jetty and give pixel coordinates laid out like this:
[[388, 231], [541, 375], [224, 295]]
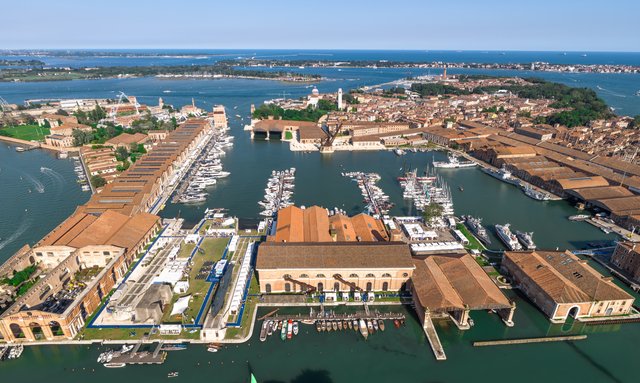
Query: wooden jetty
[[145, 357], [529, 340]]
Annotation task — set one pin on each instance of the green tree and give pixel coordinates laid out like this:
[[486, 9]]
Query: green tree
[[432, 211], [98, 181], [80, 137], [122, 153]]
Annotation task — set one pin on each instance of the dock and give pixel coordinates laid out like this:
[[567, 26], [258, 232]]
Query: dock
[[434, 340], [529, 340], [307, 318], [145, 357]]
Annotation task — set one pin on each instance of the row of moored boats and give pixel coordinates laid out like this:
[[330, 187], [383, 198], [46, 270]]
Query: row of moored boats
[[286, 328], [279, 191], [513, 241], [11, 352], [206, 170], [377, 202], [366, 327]]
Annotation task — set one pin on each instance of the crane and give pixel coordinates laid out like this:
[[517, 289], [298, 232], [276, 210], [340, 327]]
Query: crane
[[121, 96]]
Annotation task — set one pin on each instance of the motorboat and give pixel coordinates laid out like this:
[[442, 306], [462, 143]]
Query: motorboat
[[363, 328]]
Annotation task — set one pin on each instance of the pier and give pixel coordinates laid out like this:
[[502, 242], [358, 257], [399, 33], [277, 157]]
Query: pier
[[434, 340], [529, 340], [377, 202]]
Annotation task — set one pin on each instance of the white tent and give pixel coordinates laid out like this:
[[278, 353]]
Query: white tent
[[180, 305]]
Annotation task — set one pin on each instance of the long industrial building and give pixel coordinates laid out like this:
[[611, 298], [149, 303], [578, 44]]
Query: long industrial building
[[84, 257]]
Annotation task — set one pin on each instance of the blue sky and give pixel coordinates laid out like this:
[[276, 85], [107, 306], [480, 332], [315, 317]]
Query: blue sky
[[564, 25]]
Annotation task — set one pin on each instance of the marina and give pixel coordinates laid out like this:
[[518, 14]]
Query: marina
[[415, 188], [377, 202], [278, 192], [365, 323], [205, 170]]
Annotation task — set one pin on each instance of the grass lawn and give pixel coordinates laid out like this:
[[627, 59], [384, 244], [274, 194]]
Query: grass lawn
[[213, 249], [185, 250], [473, 242], [26, 132], [247, 314]]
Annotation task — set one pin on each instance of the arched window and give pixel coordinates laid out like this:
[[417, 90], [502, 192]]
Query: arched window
[[36, 330], [267, 288], [337, 276], [56, 329], [320, 287], [304, 276], [386, 275], [385, 286], [287, 287], [405, 274], [369, 286], [320, 276], [16, 330], [286, 276], [353, 276], [370, 276]]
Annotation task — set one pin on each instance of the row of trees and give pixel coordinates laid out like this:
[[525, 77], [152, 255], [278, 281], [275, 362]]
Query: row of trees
[[308, 114]]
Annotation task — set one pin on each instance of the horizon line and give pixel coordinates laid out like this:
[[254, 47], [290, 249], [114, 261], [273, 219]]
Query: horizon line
[[320, 49]]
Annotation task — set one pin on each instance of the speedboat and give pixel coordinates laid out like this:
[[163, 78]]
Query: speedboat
[[295, 328], [289, 329]]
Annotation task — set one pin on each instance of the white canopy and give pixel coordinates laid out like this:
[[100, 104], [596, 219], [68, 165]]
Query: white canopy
[[180, 305]]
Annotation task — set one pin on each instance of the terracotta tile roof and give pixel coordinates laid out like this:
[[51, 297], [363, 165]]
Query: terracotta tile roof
[[127, 139], [565, 278], [333, 255], [110, 228], [453, 281]]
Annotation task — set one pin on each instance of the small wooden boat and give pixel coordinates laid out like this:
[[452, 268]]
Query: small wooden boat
[[355, 324], [280, 324], [370, 327], [381, 324], [339, 325], [295, 328], [274, 326], [345, 324], [318, 326], [396, 323], [213, 347], [334, 325], [324, 325], [350, 324], [375, 324]]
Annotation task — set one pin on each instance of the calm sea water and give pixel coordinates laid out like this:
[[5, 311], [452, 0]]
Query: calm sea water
[[396, 355]]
